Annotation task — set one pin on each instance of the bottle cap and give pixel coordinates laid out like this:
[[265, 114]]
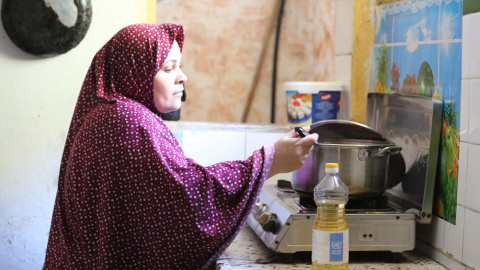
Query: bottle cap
[[331, 167]]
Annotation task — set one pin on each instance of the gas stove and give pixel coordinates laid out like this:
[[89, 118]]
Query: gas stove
[[284, 220]]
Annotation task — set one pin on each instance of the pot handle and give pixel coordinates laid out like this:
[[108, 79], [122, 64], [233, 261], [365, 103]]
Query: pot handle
[[389, 150], [302, 133]]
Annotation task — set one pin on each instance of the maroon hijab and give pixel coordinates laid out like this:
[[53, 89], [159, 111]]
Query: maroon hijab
[[127, 196]]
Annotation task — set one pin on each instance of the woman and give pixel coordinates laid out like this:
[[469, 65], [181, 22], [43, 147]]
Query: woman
[[127, 196]]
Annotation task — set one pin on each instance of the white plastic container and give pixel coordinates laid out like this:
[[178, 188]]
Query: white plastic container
[[310, 102]]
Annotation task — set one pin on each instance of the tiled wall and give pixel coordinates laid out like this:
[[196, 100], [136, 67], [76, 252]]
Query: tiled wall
[[228, 141], [232, 142], [457, 246]]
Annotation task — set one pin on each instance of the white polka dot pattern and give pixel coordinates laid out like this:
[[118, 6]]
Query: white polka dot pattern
[[127, 196]]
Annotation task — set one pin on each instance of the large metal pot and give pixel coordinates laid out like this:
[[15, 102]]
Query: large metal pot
[[363, 162]]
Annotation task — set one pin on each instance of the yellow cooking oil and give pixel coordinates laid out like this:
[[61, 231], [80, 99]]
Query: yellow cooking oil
[[331, 218], [330, 231]]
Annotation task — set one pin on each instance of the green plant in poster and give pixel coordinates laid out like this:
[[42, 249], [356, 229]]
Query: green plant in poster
[[382, 73], [436, 94], [425, 81], [448, 165]]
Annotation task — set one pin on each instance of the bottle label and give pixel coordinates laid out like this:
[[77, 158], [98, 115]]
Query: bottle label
[[330, 247]]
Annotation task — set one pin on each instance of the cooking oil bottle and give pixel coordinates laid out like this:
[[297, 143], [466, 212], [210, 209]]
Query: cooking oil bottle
[[330, 232]]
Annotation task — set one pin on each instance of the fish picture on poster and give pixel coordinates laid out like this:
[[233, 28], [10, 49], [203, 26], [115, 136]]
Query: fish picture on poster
[[417, 51]]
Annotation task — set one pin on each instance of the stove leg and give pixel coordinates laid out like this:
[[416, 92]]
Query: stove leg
[[395, 257], [287, 258]]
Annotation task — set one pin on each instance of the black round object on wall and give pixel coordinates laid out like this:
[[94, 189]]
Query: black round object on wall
[[46, 27]]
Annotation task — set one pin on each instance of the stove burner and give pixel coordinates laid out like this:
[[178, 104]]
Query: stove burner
[[285, 186], [308, 202], [358, 206], [377, 204], [364, 205]]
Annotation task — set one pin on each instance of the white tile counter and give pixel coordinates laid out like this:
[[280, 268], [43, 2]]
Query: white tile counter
[[248, 252], [210, 143]]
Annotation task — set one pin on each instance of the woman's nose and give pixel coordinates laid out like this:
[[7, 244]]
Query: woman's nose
[[182, 78]]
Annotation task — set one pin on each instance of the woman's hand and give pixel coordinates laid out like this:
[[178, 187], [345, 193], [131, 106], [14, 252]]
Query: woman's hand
[[291, 152]]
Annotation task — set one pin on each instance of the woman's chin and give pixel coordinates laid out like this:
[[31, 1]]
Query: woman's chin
[[169, 110]]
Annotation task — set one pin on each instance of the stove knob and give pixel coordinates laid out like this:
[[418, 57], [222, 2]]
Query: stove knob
[[272, 224], [258, 210], [264, 217]]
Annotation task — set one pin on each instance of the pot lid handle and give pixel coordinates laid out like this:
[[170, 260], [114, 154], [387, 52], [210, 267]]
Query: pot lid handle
[[388, 150], [302, 133]]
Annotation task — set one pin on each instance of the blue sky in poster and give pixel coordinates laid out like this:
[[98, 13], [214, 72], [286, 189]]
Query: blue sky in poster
[[451, 20], [422, 30], [421, 25], [385, 26], [419, 20], [450, 73]]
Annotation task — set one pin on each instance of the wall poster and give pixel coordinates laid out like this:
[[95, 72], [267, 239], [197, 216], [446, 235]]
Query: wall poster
[[417, 51]]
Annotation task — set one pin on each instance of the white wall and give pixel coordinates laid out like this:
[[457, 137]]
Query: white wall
[[38, 98]]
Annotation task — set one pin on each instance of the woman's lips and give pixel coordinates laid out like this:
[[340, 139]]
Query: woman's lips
[[178, 93]]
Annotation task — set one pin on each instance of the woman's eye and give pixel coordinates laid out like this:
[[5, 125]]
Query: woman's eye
[[171, 68]]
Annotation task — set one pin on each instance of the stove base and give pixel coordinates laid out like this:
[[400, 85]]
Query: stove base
[[393, 232]]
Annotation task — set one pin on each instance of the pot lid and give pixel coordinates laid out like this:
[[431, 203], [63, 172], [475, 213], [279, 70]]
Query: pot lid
[[344, 129], [354, 143]]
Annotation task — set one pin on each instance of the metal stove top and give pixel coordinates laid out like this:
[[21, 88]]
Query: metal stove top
[[285, 225]]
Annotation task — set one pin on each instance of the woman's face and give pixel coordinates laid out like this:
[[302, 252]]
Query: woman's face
[[168, 82]]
